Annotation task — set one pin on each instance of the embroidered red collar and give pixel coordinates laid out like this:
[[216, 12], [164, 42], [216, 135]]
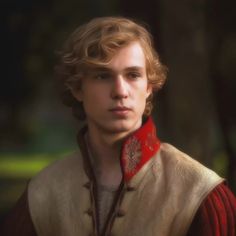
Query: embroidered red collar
[[139, 148]]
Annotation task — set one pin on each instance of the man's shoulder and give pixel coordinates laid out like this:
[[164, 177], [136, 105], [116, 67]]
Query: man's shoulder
[[170, 153], [58, 172], [185, 166], [54, 190]]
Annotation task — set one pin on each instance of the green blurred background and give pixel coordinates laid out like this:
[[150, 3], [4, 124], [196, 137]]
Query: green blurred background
[[195, 111]]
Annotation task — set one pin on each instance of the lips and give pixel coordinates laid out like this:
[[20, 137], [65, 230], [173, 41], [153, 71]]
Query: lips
[[120, 111]]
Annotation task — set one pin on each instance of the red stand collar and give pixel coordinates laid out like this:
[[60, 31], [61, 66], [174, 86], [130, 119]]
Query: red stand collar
[[138, 149]]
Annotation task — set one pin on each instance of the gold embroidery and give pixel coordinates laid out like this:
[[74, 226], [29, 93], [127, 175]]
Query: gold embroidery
[[151, 140], [132, 154]]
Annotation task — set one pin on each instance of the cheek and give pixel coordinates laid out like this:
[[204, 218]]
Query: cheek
[[141, 100], [95, 99], [143, 95], [144, 91]]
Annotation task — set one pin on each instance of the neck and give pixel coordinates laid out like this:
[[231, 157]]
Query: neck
[[105, 144], [105, 150]]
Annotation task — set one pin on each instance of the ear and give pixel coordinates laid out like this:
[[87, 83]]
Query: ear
[[77, 94], [149, 90]]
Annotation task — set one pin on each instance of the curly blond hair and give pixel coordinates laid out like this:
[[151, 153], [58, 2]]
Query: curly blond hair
[[94, 44]]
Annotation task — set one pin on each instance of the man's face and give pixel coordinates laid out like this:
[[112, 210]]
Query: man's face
[[114, 97]]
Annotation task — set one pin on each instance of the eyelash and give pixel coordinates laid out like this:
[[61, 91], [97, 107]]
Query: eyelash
[[106, 76], [134, 75], [102, 76]]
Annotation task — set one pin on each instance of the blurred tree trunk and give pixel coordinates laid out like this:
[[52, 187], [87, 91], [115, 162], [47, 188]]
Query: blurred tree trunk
[[189, 119], [15, 88], [222, 51]]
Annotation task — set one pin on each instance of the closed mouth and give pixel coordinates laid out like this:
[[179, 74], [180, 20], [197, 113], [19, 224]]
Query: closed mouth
[[120, 109]]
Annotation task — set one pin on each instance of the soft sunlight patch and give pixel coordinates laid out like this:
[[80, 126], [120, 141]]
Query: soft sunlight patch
[[24, 166]]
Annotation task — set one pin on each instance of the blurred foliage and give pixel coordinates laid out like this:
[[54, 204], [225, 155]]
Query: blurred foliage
[[220, 164], [24, 165]]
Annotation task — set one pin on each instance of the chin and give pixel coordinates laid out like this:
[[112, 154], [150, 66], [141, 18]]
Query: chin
[[123, 127]]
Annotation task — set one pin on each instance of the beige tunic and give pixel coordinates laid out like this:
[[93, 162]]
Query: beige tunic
[[161, 199]]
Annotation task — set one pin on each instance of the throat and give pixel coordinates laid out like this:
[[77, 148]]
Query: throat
[[105, 161]]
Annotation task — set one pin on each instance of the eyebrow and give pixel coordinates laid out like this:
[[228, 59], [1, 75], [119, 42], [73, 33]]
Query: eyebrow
[[134, 68], [107, 69]]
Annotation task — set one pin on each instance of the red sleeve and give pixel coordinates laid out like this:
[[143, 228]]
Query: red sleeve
[[216, 215], [18, 221]]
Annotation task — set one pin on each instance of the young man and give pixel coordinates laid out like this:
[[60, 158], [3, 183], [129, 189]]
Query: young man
[[123, 180]]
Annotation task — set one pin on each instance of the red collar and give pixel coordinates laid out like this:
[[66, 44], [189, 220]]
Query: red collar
[[139, 148]]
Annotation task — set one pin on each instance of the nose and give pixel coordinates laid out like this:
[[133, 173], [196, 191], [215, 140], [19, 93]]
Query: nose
[[119, 88]]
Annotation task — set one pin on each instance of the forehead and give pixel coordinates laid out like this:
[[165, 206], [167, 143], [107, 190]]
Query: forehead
[[129, 56]]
